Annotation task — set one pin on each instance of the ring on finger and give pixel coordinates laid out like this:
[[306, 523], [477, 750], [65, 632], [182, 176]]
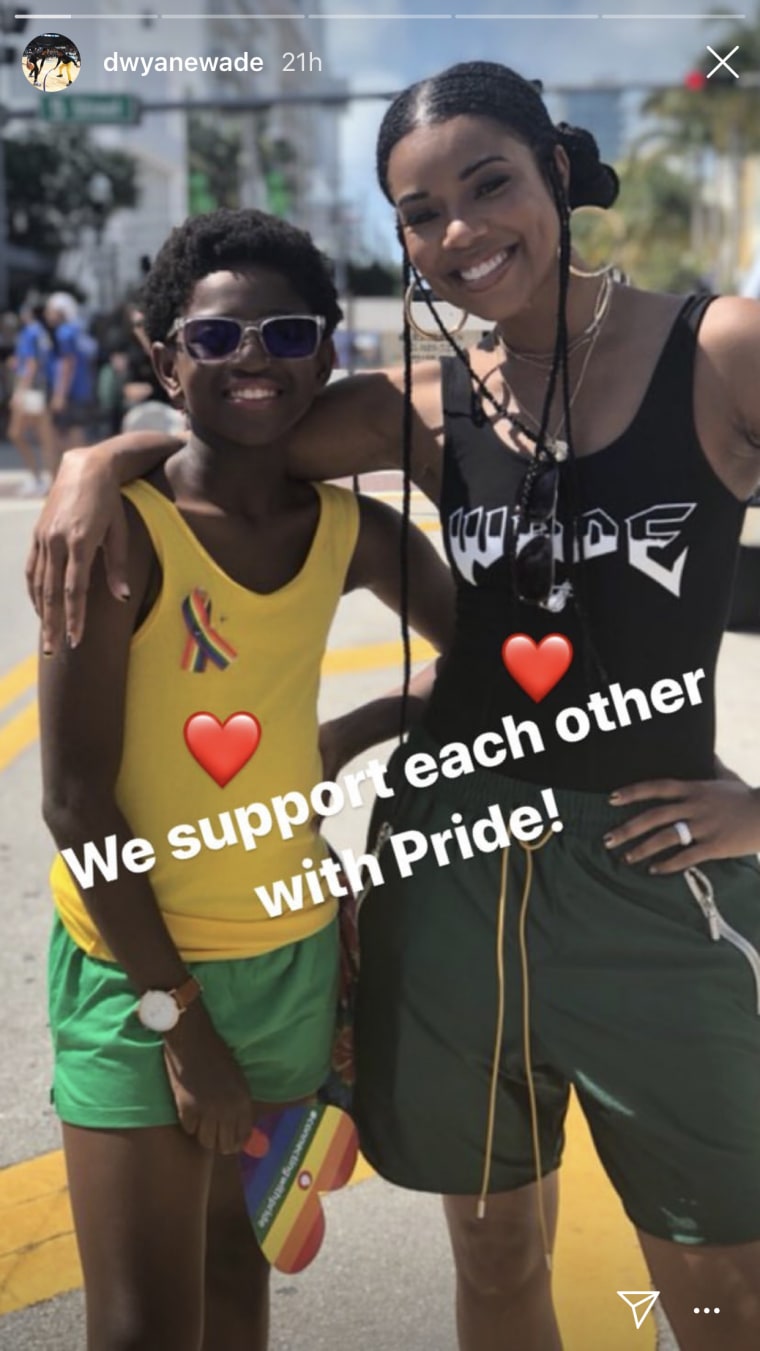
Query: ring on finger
[[685, 837]]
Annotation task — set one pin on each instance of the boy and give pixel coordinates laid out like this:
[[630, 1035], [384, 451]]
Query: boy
[[174, 997]]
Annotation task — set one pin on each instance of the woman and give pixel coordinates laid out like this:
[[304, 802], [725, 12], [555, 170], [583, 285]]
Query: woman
[[591, 465]]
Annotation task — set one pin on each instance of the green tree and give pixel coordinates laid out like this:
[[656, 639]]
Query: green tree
[[279, 164], [719, 117], [723, 112], [47, 176], [213, 152], [648, 233]]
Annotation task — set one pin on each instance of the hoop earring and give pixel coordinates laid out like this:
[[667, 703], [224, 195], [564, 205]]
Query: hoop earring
[[596, 272], [430, 334]]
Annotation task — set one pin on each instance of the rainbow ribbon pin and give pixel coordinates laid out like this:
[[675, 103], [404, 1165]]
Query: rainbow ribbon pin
[[203, 643]]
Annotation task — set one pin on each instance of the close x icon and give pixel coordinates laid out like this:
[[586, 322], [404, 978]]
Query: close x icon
[[723, 65]]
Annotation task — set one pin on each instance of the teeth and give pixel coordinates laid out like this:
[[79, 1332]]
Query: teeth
[[251, 394], [483, 269]]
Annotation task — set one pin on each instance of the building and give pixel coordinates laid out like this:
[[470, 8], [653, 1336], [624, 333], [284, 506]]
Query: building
[[290, 152], [290, 162], [749, 250], [106, 264], [599, 111]]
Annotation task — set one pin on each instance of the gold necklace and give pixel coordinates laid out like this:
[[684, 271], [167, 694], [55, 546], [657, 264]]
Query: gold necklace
[[543, 360], [556, 445]]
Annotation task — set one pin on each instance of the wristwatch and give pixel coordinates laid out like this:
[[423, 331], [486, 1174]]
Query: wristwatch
[[161, 1010]]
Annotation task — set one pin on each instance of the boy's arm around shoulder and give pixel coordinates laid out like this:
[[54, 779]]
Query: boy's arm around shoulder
[[376, 565]]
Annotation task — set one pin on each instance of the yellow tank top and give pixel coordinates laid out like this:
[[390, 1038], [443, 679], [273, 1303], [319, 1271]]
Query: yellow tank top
[[210, 645]]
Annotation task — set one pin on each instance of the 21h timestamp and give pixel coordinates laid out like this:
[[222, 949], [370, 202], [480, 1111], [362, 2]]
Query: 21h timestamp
[[301, 61]]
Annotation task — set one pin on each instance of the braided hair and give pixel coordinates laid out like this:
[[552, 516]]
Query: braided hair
[[489, 90]]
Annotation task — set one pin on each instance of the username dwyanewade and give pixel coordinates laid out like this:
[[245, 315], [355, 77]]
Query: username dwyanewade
[[143, 65], [244, 62]]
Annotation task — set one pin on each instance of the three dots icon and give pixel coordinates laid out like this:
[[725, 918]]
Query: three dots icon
[[707, 1310]]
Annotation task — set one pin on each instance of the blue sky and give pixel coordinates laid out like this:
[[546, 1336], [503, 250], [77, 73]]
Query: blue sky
[[387, 53]]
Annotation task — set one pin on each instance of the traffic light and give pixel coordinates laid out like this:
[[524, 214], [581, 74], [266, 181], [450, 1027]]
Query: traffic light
[[695, 80], [713, 72]]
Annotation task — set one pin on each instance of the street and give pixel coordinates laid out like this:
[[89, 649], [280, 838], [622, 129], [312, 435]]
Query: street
[[384, 1277]]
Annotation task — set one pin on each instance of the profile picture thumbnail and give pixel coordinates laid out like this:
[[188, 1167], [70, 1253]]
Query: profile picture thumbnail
[[51, 62]]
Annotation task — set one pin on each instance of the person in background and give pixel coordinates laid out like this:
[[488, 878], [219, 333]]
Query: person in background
[[9, 327], [30, 420], [73, 384], [146, 405]]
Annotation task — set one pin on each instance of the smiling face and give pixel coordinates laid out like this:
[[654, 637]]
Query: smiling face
[[252, 399], [476, 214]]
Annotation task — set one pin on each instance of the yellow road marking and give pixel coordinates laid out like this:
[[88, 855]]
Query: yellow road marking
[[19, 733], [373, 656], [19, 679], [596, 1256], [38, 1253], [23, 730]]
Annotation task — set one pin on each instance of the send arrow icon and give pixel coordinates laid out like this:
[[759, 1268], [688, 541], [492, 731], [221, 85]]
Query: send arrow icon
[[640, 1302]]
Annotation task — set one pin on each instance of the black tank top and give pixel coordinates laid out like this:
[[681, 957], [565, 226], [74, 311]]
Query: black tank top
[[660, 533]]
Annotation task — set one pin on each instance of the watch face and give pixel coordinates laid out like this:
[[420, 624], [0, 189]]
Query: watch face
[[158, 1011]]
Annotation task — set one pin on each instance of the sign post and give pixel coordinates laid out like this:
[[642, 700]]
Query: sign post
[[92, 109]]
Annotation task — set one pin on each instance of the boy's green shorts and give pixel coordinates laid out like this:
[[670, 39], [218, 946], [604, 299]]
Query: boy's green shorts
[[654, 1022], [276, 1012]]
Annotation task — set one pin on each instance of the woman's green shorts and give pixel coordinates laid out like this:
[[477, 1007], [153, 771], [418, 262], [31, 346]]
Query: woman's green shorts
[[276, 1012], [653, 1021]]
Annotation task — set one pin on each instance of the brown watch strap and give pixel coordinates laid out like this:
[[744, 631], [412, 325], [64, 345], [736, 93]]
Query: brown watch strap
[[185, 993]]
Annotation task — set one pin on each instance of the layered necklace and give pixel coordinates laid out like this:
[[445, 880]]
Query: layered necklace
[[555, 445], [543, 360]]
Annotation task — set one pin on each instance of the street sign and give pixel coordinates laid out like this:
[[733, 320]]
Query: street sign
[[91, 108]]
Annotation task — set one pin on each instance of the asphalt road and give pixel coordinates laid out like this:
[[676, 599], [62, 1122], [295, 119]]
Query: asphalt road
[[384, 1280]]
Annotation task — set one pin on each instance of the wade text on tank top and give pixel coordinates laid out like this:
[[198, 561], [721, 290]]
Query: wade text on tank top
[[660, 536]]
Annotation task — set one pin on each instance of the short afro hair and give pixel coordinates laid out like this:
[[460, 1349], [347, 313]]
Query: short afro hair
[[224, 240]]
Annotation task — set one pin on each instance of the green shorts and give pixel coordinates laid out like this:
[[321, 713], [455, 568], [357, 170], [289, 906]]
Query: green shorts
[[276, 1012], [653, 1021]]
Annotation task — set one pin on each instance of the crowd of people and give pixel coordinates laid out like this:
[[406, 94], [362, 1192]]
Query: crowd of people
[[68, 380]]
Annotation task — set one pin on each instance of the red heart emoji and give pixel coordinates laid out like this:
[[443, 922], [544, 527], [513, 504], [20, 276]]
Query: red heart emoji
[[222, 748], [537, 667]]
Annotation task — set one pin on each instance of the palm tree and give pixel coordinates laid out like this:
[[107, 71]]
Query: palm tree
[[649, 232], [721, 113], [717, 118]]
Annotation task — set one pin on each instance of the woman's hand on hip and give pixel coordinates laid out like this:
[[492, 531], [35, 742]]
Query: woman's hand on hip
[[721, 819]]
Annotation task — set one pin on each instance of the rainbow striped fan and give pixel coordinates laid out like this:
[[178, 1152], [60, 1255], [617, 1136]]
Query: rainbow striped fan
[[290, 1157]]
